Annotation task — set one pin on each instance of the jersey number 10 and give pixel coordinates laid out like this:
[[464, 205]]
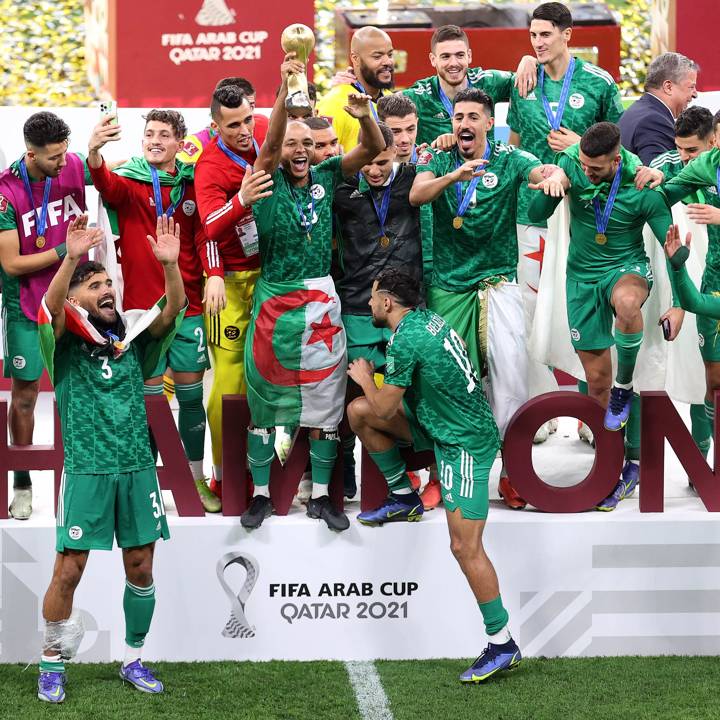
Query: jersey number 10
[[456, 347]]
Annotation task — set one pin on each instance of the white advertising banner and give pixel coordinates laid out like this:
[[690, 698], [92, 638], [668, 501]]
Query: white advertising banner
[[586, 584]]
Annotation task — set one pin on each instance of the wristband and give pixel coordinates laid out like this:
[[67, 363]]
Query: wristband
[[61, 251]]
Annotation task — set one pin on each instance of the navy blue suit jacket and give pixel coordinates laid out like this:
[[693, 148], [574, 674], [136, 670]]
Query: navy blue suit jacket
[[647, 128]]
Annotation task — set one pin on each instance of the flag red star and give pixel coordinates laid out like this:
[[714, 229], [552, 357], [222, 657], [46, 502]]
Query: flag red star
[[323, 332], [538, 255]]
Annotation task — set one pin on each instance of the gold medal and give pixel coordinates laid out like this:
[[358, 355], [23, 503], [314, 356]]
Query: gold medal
[[40, 242], [600, 238], [457, 222], [384, 241], [309, 237]]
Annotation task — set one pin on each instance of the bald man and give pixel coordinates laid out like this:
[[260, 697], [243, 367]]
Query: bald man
[[371, 56]]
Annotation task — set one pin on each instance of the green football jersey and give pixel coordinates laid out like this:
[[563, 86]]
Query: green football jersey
[[588, 260], [428, 358], [102, 407], [671, 165], [486, 244], [698, 173], [593, 97], [433, 118], [286, 252]]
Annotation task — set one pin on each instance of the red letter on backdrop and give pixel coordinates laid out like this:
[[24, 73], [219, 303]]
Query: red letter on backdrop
[[518, 445], [660, 422]]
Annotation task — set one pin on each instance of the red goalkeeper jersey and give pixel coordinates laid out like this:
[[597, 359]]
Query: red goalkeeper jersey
[[143, 276], [226, 222]]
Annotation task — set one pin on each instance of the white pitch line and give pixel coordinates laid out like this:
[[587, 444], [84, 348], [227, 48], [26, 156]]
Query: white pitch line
[[369, 693]]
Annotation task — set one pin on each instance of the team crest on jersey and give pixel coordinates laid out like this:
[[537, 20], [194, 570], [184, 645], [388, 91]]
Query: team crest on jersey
[[3, 203], [575, 334], [577, 100], [19, 362], [75, 532], [232, 332], [701, 340], [188, 207], [425, 157], [318, 191], [190, 148], [489, 180]]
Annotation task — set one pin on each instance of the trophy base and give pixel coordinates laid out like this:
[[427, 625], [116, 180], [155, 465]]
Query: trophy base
[[299, 105]]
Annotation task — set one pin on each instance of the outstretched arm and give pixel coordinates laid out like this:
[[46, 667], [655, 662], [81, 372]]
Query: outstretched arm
[[371, 139], [166, 250], [80, 239], [269, 157]]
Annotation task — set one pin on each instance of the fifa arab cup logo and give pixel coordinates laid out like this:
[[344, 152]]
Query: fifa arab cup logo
[[237, 625]]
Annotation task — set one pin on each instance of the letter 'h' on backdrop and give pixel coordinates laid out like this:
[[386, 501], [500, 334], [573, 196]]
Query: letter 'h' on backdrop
[[660, 422]]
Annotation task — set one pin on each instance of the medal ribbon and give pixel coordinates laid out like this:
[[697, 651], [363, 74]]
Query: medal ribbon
[[445, 100], [41, 221], [158, 194], [555, 119], [361, 89], [304, 220], [413, 155], [234, 156], [717, 181], [382, 211], [602, 218], [464, 201]]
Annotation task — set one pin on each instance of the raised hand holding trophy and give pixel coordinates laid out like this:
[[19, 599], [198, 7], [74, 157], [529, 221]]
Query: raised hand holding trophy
[[299, 39]]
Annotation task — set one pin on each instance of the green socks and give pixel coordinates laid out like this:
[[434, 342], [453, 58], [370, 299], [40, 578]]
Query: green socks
[[323, 453], [21, 480], [701, 428], [138, 605], [628, 346], [392, 466], [632, 431], [191, 419], [260, 453], [51, 663], [494, 615], [348, 449]]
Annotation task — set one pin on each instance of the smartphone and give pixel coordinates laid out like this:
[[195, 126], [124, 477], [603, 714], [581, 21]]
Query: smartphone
[[666, 328], [108, 107]]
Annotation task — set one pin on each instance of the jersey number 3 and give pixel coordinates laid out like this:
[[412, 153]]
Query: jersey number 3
[[106, 369], [455, 346]]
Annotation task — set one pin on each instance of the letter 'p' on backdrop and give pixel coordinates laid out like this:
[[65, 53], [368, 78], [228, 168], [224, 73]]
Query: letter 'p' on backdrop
[[170, 53]]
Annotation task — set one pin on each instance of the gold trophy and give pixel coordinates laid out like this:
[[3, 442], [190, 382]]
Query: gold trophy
[[300, 40]]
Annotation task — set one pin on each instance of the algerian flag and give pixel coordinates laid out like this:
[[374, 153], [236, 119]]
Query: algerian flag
[[78, 323], [295, 355]]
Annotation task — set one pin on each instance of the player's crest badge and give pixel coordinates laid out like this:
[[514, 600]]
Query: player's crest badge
[[189, 207], [3, 203], [318, 191], [489, 180], [577, 100]]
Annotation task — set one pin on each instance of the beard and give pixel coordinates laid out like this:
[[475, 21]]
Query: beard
[[115, 327], [368, 77]]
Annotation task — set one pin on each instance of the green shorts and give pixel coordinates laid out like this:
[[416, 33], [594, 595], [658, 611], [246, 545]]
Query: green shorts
[[21, 349], [188, 351], [463, 475], [364, 340], [94, 508], [590, 314], [708, 328]]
